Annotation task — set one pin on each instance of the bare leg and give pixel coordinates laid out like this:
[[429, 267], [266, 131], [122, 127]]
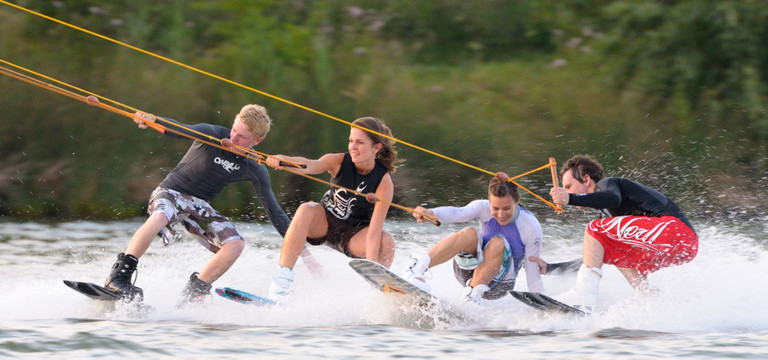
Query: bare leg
[[446, 249], [637, 280], [145, 234], [491, 264], [387, 249], [309, 221], [593, 252], [222, 261], [357, 246], [593, 258], [589, 275], [311, 263]]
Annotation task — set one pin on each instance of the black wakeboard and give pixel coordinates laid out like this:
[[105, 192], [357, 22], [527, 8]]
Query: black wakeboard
[[93, 291], [545, 303], [565, 267]]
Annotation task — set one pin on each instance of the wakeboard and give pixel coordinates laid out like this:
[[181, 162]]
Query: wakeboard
[[430, 311], [386, 281], [545, 303], [92, 290], [100, 293], [244, 297], [566, 267]]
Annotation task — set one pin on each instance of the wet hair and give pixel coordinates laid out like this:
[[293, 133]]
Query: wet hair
[[583, 165], [387, 155], [502, 188], [256, 119]]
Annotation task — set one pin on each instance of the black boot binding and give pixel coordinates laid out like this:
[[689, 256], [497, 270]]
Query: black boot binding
[[195, 291], [119, 279]]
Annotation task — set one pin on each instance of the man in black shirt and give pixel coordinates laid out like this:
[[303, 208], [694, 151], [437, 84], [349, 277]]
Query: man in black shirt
[[643, 230]]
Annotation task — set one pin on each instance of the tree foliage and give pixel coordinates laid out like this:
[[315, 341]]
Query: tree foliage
[[498, 84], [696, 57]]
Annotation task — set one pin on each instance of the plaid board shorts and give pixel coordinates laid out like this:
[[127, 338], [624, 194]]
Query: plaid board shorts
[[196, 217]]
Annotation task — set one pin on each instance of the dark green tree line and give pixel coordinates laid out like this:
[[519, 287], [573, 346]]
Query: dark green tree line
[[498, 84]]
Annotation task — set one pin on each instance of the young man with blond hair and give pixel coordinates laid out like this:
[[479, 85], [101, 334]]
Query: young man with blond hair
[[184, 197]]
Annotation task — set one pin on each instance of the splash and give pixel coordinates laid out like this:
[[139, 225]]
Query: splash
[[716, 292]]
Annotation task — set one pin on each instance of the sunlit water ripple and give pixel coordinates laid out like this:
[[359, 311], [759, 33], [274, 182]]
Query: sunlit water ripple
[[712, 308]]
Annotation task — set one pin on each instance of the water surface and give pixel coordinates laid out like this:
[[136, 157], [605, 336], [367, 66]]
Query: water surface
[[712, 308]]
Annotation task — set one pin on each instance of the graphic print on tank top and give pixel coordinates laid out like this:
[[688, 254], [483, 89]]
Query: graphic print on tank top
[[346, 205], [341, 203]]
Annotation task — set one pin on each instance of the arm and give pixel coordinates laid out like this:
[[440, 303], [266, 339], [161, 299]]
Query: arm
[[277, 215], [607, 195], [419, 212], [328, 162], [176, 129], [564, 267], [384, 192], [266, 196], [532, 240], [477, 209]]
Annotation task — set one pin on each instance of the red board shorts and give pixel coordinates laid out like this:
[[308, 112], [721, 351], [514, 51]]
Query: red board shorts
[[644, 243]]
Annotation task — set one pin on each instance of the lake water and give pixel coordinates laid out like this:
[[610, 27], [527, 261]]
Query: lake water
[[712, 308]]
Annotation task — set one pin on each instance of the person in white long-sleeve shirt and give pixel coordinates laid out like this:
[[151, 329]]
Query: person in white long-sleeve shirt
[[488, 260]]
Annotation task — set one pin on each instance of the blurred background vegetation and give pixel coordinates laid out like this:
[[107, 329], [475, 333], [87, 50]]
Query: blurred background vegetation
[[669, 93]]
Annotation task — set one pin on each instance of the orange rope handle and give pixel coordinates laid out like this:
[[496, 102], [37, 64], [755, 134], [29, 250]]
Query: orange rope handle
[[433, 219], [530, 172], [553, 169], [534, 194], [242, 150], [551, 165], [209, 140], [371, 197], [512, 180]]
